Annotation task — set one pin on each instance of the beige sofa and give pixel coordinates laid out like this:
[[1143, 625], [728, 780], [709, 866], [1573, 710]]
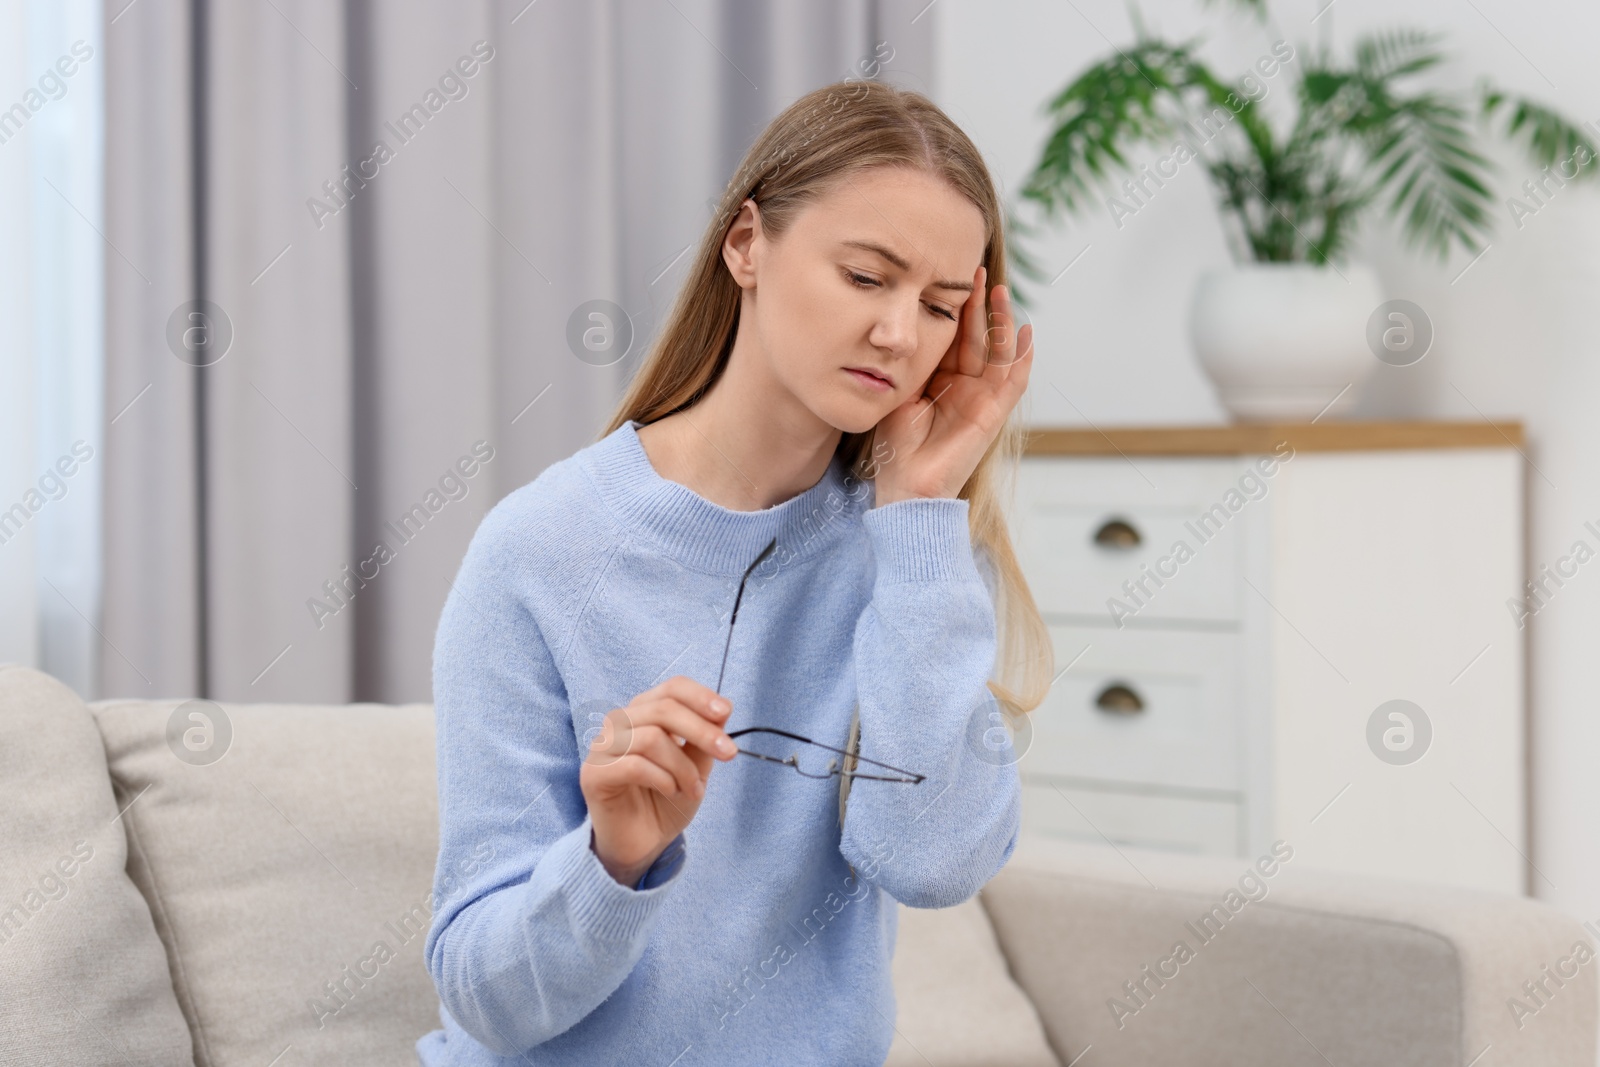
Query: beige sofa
[[159, 905]]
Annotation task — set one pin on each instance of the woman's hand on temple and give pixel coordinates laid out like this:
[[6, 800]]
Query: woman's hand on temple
[[937, 439], [645, 773]]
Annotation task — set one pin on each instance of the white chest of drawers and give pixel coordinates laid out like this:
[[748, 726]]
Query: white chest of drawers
[[1231, 607]]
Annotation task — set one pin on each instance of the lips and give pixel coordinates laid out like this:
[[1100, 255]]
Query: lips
[[872, 377]]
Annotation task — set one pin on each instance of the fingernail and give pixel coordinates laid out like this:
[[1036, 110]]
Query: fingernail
[[719, 704], [725, 746]]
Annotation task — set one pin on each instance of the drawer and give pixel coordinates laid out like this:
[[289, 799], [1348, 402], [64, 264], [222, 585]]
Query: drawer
[[1090, 530], [1153, 707], [1179, 824]]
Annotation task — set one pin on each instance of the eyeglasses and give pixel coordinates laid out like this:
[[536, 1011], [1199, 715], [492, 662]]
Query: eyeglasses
[[813, 760], [768, 750]]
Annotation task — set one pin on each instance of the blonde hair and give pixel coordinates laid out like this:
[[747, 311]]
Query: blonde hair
[[822, 137]]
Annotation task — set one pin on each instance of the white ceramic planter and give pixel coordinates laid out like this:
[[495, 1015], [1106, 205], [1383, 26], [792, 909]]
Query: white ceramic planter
[[1280, 340]]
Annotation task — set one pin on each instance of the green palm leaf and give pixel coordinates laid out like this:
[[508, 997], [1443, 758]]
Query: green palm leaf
[[1424, 148], [1382, 57], [1549, 139], [1111, 106]]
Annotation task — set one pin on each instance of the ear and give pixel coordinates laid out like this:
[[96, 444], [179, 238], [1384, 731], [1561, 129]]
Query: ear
[[739, 244]]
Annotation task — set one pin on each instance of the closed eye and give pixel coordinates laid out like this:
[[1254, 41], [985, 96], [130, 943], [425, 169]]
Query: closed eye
[[861, 281]]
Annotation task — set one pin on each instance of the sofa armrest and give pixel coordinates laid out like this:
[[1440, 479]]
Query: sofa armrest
[[1154, 957]]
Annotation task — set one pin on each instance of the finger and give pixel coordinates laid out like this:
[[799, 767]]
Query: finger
[[658, 746], [973, 324], [950, 362], [635, 770], [692, 694], [1018, 377], [682, 721], [620, 732], [611, 742], [701, 700], [905, 426], [1025, 346], [1001, 336], [922, 421], [971, 311]]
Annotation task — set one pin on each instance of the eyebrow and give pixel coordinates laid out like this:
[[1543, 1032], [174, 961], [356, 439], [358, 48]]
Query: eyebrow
[[905, 264]]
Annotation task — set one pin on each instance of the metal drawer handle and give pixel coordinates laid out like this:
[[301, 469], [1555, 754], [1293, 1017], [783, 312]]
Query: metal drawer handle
[[1119, 699], [1118, 534]]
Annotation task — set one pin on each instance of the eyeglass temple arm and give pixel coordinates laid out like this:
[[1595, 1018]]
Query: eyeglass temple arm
[[914, 777], [734, 616]]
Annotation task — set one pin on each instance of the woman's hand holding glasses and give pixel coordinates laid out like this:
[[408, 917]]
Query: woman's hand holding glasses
[[645, 773]]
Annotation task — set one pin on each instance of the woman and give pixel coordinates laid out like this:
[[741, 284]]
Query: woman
[[790, 531]]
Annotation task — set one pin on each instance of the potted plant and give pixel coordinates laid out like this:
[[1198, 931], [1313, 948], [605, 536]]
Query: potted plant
[[1285, 328]]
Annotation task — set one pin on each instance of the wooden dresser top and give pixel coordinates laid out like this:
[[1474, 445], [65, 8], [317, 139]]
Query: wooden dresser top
[[1248, 438]]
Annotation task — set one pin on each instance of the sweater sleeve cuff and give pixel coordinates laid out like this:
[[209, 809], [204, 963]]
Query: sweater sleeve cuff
[[666, 866], [601, 906], [922, 540]]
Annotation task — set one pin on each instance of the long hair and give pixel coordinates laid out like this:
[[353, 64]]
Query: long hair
[[824, 136]]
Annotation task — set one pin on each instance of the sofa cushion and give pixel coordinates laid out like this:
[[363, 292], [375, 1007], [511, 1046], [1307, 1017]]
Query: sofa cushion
[[83, 978], [957, 1005], [288, 854], [1281, 964]]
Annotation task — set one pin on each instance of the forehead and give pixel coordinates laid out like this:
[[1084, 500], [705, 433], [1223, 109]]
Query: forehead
[[916, 215]]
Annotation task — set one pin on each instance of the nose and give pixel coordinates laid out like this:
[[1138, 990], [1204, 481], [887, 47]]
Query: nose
[[896, 328]]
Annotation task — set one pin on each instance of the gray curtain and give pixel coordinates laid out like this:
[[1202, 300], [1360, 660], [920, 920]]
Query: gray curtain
[[398, 357]]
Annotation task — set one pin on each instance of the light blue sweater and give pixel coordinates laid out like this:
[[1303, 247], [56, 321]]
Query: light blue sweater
[[750, 942]]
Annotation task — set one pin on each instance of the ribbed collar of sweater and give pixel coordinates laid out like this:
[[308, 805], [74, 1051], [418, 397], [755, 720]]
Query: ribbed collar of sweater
[[707, 536]]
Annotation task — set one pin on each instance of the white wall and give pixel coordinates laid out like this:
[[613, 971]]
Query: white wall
[[1513, 337]]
